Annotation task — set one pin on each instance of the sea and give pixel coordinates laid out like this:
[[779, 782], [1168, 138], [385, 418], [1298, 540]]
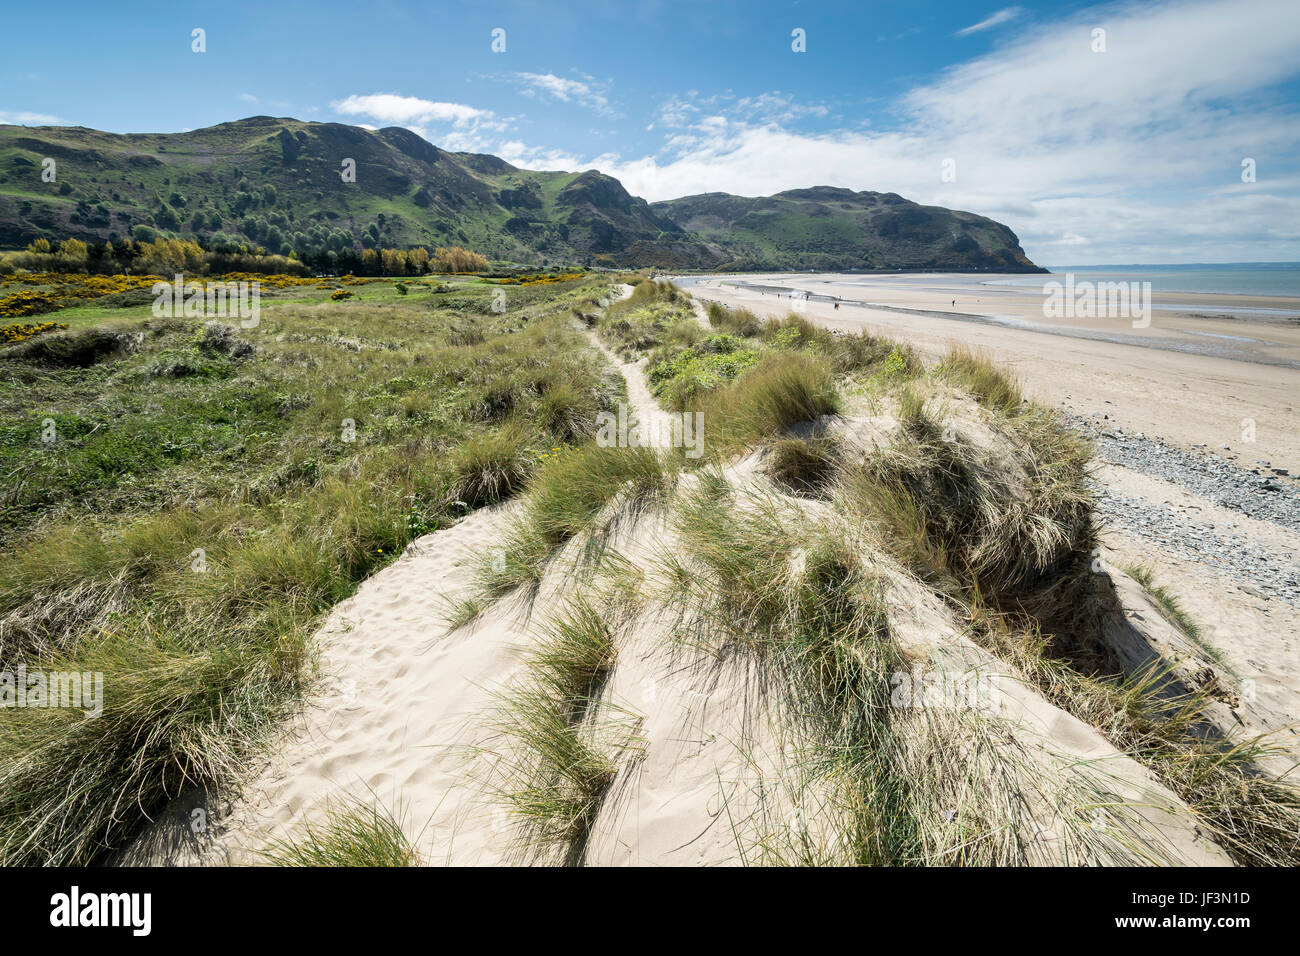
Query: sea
[[1225, 278]]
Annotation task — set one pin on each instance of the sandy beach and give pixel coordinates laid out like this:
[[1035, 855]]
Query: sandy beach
[[1205, 365]]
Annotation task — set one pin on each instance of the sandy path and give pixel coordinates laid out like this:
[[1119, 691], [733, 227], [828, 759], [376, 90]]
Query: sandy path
[[398, 719], [642, 405], [390, 721]]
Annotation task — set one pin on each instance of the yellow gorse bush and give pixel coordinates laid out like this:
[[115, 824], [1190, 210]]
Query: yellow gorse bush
[[20, 304], [63, 290], [541, 279], [9, 334], [68, 289]]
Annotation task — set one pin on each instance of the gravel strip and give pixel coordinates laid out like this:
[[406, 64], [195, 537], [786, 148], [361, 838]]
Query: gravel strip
[[1262, 493], [1227, 552]]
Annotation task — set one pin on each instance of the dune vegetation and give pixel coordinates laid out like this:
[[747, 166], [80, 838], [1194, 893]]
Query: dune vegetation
[[185, 499], [188, 499], [849, 486]]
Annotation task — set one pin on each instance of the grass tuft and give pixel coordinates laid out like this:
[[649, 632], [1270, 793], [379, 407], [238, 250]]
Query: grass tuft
[[991, 385], [492, 466], [353, 835], [804, 465], [783, 389], [572, 494]]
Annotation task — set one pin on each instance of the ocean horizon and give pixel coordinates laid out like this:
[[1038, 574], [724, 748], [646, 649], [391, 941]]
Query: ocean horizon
[[1224, 278]]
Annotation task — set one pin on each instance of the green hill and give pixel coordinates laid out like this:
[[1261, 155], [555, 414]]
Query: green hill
[[829, 228], [277, 183]]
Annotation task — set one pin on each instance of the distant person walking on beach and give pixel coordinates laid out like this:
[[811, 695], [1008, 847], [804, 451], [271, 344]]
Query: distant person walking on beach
[[954, 303]]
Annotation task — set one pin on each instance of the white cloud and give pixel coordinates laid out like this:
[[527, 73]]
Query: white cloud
[[583, 92], [1002, 16], [690, 109], [248, 97], [23, 118], [531, 157], [1129, 155], [452, 126], [398, 110]]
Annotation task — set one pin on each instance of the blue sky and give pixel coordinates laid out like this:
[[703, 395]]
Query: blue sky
[[1128, 154]]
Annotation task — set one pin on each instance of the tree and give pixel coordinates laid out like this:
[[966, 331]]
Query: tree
[[166, 217], [456, 259], [74, 253]]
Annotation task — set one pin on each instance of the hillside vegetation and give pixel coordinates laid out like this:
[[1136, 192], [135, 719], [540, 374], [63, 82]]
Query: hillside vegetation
[[279, 184], [831, 229]]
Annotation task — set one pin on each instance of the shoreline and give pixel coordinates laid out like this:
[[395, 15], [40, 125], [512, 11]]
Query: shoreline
[[1195, 381]]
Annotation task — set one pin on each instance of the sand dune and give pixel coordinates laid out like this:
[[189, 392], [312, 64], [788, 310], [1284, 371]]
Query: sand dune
[[709, 772]]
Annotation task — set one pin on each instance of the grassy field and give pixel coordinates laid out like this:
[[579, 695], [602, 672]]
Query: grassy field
[[184, 500]]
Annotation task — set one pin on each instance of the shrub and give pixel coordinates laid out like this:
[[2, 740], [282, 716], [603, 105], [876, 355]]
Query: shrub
[[19, 304], [80, 348], [699, 368], [12, 334]]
